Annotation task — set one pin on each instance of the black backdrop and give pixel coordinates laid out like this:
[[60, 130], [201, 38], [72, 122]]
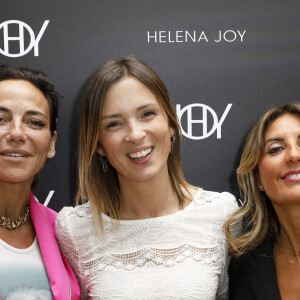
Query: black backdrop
[[254, 67]]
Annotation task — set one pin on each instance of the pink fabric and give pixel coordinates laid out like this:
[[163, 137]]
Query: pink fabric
[[57, 267]]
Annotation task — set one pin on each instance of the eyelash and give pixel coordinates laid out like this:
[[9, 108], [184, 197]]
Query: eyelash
[[113, 124], [37, 123], [275, 150], [33, 122], [148, 114], [117, 123]]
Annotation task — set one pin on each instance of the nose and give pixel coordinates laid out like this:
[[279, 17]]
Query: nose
[[293, 154], [16, 132], [135, 133]]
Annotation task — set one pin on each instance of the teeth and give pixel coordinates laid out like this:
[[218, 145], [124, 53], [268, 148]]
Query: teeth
[[293, 176], [140, 154], [15, 154]]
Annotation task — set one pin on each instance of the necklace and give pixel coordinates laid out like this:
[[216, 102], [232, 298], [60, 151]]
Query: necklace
[[12, 224], [286, 254]]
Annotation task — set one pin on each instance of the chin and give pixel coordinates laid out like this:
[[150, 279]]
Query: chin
[[146, 176], [13, 179]]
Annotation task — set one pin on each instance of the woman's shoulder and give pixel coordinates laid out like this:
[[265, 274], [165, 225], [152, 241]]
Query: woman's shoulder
[[248, 274], [253, 262], [83, 210], [72, 223], [210, 196], [262, 254], [39, 210], [223, 202], [73, 215]]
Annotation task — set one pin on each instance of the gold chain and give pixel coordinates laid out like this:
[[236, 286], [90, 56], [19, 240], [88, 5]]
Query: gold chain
[[9, 224]]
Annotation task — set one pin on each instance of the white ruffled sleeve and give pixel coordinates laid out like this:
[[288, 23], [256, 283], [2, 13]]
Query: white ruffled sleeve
[[67, 241]]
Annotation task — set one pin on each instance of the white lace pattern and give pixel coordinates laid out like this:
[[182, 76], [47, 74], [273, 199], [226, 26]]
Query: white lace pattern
[[179, 256]]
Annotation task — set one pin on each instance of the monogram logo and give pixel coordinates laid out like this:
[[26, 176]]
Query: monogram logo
[[208, 118], [24, 31]]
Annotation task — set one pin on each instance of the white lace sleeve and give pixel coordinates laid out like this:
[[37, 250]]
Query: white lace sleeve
[[67, 242], [230, 206]]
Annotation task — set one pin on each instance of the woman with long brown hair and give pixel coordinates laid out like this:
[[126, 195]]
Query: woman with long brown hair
[[267, 263], [142, 231]]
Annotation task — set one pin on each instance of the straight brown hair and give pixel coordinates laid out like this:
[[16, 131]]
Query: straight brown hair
[[101, 188]]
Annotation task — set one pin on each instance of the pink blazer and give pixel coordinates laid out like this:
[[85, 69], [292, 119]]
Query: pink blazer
[[63, 282], [64, 285]]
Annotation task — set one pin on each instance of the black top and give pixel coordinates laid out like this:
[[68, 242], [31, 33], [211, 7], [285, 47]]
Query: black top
[[253, 275]]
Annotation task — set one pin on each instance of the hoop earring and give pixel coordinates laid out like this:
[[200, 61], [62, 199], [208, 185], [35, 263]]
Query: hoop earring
[[104, 162], [261, 188], [173, 138]]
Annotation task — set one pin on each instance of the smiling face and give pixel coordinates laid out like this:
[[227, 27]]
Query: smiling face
[[25, 138], [135, 132], [279, 167]]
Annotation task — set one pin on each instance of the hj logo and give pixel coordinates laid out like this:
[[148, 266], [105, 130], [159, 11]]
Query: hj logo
[[22, 27], [206, 110]]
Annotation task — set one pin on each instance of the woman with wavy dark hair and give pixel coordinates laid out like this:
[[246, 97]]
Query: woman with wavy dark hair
[[142, 231], [267, 263]]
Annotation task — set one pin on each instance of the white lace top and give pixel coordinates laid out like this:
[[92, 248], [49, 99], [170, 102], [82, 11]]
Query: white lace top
[[178, 256]]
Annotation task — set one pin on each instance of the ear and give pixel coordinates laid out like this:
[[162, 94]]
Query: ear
[[259, 184], [51, 151], [100, 150], [171, 131]]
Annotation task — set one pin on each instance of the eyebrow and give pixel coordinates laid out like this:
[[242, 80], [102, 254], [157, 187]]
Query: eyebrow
[[4, 109], [28, 112], [138, 109], [36, 113], [111, 116], [277, 139], [147, 106]]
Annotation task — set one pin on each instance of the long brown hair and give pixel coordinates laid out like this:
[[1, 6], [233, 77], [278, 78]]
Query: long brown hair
[[101, 188], [257, 213]]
